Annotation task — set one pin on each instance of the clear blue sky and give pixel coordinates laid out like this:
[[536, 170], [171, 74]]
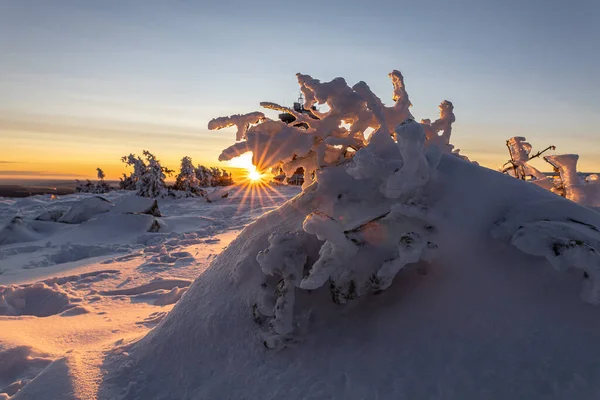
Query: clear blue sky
[[84, 82]]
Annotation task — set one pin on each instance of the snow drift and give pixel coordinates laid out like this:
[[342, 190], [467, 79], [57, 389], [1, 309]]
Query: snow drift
[[402, 271]]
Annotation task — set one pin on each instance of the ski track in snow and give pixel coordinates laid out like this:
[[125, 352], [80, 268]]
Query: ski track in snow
[[111, 275]]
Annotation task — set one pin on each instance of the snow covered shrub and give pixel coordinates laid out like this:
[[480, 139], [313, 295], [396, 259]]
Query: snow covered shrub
[[101, 185], [371, 219], [204, 176], [566, 183], [148, 176], [558, 233], [88, 187], [187, 181], [139, 168], [213, 176], [84, 187], [152, 182], [582, 191]]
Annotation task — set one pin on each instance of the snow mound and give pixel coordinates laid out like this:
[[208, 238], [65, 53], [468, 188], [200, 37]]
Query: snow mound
[[18, 231], [217, 194], [38, 299], [471, 319], [18, 366], [133, 204], [162, 297], [156, 284], [86, 209], [50, 215]]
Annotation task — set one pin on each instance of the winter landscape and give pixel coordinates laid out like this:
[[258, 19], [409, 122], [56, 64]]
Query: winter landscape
[[339, 248]]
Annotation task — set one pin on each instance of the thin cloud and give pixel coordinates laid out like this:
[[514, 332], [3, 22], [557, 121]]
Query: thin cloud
[[9, 162]]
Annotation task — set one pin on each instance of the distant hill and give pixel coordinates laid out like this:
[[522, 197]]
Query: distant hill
[[31, 187]]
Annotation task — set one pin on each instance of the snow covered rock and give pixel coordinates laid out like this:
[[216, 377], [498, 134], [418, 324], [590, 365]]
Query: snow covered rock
[[50, 216], [217, 194], [85, 209], [17, 231], [136, 205], [568, 237], [39, 299]]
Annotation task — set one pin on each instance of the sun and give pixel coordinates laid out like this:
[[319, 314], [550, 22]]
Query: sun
[[254, 175], [251, 174]]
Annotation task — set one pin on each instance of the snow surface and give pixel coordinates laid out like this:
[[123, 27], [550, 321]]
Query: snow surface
[[73, 291], [481, 319]]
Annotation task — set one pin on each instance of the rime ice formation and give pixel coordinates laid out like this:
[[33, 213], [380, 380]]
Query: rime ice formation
[[326, 142], [582, 191], [373, 223], [568, 183], [241, 122], [373, 218], [566, 237]]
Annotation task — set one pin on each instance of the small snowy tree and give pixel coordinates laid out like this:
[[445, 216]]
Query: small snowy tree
[[151, 183], [204, 176], [566, 181], [88, 187], [84, 187], [187, 181], [372, 219], [101, 185], [139, 168]]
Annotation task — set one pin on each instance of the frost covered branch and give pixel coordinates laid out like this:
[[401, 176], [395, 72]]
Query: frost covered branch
[[371, 220]]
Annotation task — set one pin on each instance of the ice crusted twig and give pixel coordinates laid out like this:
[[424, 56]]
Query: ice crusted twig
[[333, 254], [410, 249], [564, 245], [240, 121], [415, 170], [284, 259], [565, 240]]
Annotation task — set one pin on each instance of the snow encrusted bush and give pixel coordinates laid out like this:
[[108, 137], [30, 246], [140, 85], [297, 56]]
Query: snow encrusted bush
[[213, 176], [88, 187], [186, 181], [568, 183], [372, 219], [148, 176]]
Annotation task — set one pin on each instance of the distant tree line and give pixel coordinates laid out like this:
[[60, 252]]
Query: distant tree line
[[148, 178]]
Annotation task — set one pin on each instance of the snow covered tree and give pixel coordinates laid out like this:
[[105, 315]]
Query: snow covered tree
[[211, 177], [152, 181], [204, 176], [366, 186], [566, 181], [139, 168], [187, 181], [101, 185], [148, 176], [84, 187], [88, 187]]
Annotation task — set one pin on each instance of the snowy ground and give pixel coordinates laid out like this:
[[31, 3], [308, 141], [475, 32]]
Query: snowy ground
[[104, 281]]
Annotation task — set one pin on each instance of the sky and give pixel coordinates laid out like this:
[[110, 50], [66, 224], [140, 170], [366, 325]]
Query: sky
[[83, 83]]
